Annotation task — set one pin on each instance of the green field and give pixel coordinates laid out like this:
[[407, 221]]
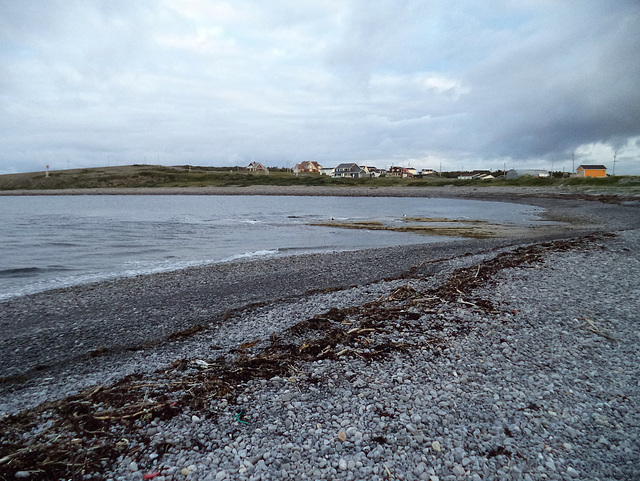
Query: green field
[[136, 176]]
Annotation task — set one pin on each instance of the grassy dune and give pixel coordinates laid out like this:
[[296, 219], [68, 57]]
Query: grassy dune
[[135, 176]]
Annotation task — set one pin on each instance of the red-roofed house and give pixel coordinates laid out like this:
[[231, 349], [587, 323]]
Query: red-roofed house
[[257, 167], [307, 167]]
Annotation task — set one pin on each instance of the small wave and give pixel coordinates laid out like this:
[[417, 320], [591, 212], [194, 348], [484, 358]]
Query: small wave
[[20, 272], [250, 221], [30, 271], [63, 244], [249, 255], [304, 250]]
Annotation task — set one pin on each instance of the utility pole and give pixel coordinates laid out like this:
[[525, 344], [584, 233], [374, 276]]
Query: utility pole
[[573, 163], [614, 162]]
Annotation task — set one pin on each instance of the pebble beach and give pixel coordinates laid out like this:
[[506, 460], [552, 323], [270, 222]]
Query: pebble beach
[[505, 358]]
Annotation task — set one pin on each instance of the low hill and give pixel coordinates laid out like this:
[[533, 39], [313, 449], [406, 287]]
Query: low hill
[[142, 176]]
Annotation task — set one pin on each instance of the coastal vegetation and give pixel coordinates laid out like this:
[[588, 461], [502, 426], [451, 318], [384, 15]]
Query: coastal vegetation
[[144, 176]]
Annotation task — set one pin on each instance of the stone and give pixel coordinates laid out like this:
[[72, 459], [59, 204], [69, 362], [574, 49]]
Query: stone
[[342, 436], [436, 446], [343, 465], [572, 472]]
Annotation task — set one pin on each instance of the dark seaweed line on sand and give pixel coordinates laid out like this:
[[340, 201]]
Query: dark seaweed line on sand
[[84, 434]]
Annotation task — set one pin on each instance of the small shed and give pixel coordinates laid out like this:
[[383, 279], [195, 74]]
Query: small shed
[[591, 171]]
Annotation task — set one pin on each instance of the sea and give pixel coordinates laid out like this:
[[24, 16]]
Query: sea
[[48, 242]]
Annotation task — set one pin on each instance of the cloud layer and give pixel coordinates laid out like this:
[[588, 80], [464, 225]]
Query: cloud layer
[[471, 85]]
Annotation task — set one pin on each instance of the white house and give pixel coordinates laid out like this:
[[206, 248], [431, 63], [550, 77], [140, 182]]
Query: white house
[[257, 167]]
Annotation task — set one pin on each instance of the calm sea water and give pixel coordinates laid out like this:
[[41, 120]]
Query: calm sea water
[[55, 241]]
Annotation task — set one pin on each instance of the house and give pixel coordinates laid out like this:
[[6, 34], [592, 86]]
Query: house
[[591, 171], [517, 173], [372, 172], [307, 167], [327, 171], [424, 173], [401, 172], [257, 167], [353, 171]]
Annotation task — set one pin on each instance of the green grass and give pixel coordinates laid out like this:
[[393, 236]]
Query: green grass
[[618, 181], [136, 176]]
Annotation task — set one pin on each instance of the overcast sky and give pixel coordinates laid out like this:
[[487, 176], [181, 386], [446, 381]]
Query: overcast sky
[[465, 85]]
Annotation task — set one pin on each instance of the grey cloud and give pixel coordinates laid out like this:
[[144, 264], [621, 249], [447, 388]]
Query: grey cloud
[[572, 83], [384, 82]]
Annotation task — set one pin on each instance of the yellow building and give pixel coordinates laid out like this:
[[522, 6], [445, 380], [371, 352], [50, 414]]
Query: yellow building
[[592, 171]]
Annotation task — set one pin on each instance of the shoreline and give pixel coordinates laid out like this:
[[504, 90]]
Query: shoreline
[[212, 312], [483, 192]]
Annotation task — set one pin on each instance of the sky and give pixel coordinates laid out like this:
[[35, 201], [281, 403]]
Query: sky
[[427, 83]]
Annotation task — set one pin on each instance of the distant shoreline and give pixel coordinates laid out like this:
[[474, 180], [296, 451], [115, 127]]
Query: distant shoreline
[[497, 193]]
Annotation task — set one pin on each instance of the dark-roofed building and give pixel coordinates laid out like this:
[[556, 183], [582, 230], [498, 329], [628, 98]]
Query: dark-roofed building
[[591, 171], [353, 171]]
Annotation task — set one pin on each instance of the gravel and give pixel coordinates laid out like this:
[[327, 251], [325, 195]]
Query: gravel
[[545, 389], [529, 374]]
